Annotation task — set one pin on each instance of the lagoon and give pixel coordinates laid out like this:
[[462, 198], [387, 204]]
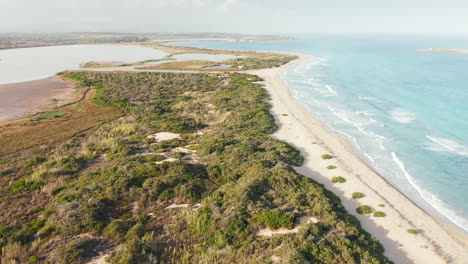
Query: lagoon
[[27, 64]]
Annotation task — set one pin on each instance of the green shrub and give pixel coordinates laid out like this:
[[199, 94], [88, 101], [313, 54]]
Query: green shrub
[[57, 190], [166, 194], [78, 251], [179, 155], [381, 205], [47, 230], [275, 220], [412, 231], [338, 179], [379, 214], [33, 259], [117, 230], [35, 161], [364, 209], [326, 156], [331, 167], [358, 195], [48, 115], [67, 198], [26, 185]]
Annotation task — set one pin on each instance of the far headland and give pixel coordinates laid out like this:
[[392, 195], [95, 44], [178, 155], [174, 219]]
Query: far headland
[[446, 50]]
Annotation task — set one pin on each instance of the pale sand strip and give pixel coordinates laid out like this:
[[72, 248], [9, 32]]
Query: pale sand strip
[[435, 244]]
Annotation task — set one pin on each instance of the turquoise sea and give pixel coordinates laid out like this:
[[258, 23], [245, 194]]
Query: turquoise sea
[[404, 111]]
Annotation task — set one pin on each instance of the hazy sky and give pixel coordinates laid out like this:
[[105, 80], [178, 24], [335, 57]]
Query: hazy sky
[[241, 16]]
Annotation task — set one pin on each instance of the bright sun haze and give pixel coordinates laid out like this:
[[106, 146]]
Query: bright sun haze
[[246, 16]]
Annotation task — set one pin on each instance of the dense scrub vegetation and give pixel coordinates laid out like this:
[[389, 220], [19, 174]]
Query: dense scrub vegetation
[[115, 190]]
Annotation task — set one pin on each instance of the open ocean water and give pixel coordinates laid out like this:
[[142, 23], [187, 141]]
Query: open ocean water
[[404, 111]]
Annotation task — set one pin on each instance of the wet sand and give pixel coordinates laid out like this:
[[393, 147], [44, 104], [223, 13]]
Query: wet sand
[[19, 99]]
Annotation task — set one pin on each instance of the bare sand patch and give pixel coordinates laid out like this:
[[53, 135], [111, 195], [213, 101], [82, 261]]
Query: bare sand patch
[[173, 206], [267, 232], [167, 160], [164, 136]]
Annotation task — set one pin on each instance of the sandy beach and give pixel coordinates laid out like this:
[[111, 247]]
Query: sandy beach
[[435, 242], [19, 99]]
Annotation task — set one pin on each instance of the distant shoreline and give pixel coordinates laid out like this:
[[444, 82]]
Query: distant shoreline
[[445, 50]]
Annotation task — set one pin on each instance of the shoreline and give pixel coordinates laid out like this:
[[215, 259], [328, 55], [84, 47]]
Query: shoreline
[[436, 243], [21, 99]]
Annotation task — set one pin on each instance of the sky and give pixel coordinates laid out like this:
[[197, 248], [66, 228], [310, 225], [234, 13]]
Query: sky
[[235, 16]]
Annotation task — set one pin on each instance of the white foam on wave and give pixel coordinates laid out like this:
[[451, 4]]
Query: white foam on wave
[[331, 90], [448, 145], [370, 159], [402, 116], [366, 113], [370, 98], [359, 123], [430, 198], [356, 144]]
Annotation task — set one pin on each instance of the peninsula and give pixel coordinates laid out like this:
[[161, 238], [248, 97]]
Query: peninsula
[[219, 165]]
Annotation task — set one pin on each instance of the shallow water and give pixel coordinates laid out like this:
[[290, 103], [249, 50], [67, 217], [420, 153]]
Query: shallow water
[[219, 66], [197, 56], [208, 57], [26, 64], [404, 111]]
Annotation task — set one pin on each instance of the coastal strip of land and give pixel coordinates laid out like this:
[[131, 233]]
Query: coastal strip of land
[[446, 50], [408, 234]]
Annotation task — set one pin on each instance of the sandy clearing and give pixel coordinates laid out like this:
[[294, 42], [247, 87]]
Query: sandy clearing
[[267, 232], [164, 136]]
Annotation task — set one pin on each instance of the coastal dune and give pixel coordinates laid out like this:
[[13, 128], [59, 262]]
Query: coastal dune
[[434, 241]]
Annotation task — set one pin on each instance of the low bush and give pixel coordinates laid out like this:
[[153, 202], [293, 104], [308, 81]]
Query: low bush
[[57, 190], [338, 179], [78, 251], [48, 115], [379, 214], [275, 220], [364, 209], [326, 156], [331, 167], [26, 185], [358, 195], [33, 259], [412, 231], [46, 230]]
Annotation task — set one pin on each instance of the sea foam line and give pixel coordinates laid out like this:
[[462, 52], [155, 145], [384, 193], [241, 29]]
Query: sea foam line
[[331, 90], [450, 145], [402, 116], [431, 199]]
